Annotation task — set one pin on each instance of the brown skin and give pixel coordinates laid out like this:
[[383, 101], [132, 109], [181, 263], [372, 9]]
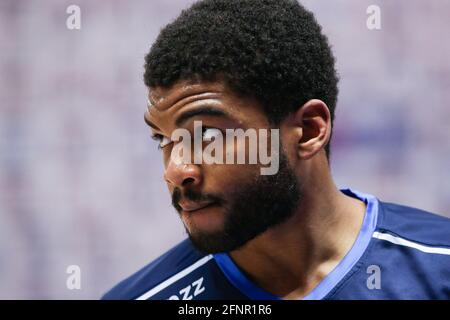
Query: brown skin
[[288, 260]]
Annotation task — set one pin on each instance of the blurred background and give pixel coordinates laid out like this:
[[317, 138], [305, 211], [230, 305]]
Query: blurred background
[[81, 180]]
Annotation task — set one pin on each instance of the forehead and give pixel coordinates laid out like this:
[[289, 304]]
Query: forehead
[[162, 98], [164, 104]]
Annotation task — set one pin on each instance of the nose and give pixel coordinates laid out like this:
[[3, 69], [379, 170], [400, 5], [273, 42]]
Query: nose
[[182, 175]]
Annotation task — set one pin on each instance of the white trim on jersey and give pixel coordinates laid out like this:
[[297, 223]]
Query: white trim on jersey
[[175, 278], [403, 242]]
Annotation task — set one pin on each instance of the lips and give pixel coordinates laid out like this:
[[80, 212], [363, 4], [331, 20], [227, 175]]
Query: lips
[[190, 206]]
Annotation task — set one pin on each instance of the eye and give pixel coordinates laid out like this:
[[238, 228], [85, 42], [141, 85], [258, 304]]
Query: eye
[[209, 133], [162, 140]]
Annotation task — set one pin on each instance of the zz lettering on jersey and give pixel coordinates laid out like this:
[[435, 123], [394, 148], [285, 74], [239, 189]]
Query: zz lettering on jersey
[[189, 292]]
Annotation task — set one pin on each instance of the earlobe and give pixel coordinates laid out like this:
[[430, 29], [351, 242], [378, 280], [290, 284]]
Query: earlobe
[[315, 119]]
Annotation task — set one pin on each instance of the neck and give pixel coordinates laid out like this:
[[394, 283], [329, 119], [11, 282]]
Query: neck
[[290, 259]]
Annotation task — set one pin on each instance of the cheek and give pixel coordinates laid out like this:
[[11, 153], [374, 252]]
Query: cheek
[[225, 178], [166, 156], [230, 175]]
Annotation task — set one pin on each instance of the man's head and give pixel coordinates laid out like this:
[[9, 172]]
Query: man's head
[[256, 64]]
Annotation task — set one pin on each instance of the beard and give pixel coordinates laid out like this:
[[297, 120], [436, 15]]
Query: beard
[[252, 208]]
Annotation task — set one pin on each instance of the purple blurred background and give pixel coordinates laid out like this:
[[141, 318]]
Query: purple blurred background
[[81, 181]]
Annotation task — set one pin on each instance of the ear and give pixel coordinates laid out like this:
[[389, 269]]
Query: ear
[[315, 120]]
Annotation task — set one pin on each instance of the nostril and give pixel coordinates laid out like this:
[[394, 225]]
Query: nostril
[[188, 181]]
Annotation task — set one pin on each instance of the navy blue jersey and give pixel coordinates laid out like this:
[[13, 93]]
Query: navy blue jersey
[[400, 253]]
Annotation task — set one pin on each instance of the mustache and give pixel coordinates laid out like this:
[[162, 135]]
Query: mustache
[[192, 195]]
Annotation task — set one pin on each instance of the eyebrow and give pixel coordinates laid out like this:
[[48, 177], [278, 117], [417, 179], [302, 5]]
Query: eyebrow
[[205, 110], [150, 124], [201, 111]]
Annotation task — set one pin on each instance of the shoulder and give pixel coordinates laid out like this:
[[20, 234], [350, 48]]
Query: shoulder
[[408, 257], [171, 263], [419, 226], [411, 248]]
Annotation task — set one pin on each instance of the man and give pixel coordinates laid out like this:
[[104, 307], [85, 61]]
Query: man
[[265, 65]]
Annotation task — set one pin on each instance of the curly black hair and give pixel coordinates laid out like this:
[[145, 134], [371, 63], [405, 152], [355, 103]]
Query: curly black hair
[[271, 50]]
